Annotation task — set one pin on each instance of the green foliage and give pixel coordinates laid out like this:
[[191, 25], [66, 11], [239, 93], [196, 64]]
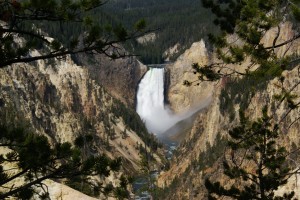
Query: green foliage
[[36, 154], [88, 188], [205, 71], [37, 160], [177, 183], [240, 92], [176, 21], [135, 123], [120, 32], [28, 23], [255, 160], [212, 153], [249, 22], [140, 25]]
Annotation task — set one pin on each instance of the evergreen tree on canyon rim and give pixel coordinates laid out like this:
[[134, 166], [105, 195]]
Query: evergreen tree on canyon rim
[[254, 160]]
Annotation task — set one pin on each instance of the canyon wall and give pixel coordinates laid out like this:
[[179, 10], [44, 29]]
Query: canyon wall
[[120, 77], [182, 98], [60, 100], [199, 156]]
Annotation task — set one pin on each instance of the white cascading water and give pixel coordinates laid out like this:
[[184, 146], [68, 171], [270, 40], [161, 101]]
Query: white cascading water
[[150, 100], [150, 103]]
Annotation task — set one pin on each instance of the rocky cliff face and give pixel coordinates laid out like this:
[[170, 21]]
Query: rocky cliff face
[[120, 77], [182, 98], [199, 156], [59, 99]]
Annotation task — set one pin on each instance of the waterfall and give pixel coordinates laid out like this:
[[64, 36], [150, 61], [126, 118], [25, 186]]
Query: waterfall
[[150, 103], [150, 100]]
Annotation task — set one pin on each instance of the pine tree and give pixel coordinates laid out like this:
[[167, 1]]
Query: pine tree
[[22, 22], [255, 161], [31, 156], [249, 21]]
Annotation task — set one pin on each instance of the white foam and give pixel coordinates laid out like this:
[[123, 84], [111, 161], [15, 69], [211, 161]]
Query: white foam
[[150, 103]]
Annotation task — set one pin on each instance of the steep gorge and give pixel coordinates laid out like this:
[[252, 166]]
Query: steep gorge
[[63, 100], [200, 154], [60, 100]]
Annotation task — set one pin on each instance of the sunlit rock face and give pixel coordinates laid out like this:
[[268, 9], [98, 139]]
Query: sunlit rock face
[[212, 122], [60, 100], [181, 97], [57, 96]]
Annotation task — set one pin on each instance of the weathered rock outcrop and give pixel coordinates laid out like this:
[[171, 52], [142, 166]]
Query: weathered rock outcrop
[[181, 97], [56, 97], [205, 142], [60, 100], [120, 77], [60, 191]]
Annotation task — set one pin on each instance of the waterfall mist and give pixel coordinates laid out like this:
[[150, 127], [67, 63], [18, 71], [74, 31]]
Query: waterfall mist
[[150, 103]]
